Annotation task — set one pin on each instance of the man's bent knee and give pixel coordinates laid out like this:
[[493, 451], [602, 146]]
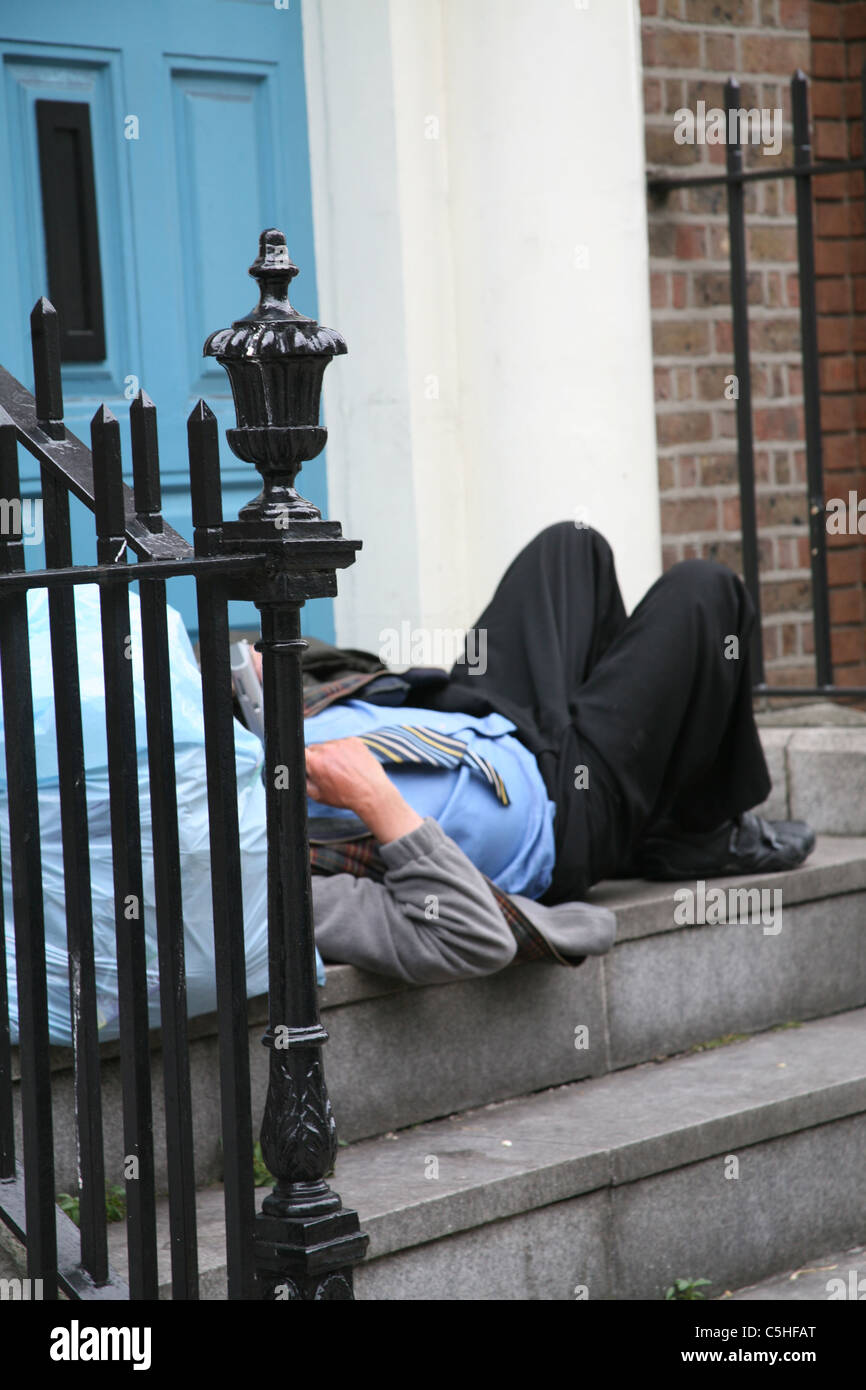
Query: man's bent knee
[[574, 535], [704, 576]]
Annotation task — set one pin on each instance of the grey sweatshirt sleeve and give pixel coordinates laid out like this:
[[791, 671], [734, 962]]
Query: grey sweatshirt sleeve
[[575, 929], [433, 919]]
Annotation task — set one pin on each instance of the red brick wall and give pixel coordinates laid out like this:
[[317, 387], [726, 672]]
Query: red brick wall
[[838, 51], [690, 47]]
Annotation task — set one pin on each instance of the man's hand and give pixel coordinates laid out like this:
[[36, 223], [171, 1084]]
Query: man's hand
[[344, 773]]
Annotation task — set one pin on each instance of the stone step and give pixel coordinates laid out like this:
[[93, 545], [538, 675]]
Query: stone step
[[727, 1165], [398, 1056], [819, 774], [840, 1277]]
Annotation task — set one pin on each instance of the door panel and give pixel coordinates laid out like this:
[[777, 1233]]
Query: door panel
[[27, 80], [219, 120], [198, 127]]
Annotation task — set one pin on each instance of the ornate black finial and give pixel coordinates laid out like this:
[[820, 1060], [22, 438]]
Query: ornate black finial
[[274, 271], [275, 359]]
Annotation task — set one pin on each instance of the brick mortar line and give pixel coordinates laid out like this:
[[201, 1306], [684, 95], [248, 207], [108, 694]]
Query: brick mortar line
[[717, 492], [658, 22], [714, 403], [782, 79], [698, 535], [678, 218], [697, 410], [705, 537], [724, 491], [762, 445], [666, 362], [666, 406], [653, 25], [706, 162], [722, 314], [704, 76], [776, 578], [710, 170], [714, 358], [673, 452], [689, 405], [713, 263], [768, 357], [674, 362], [788, 617], [765, 444], [755, 219], [764, 313], [660, 120], [783, 576], [777, 359], [703, 265], [679, 361], [732, 453], [701, 170]]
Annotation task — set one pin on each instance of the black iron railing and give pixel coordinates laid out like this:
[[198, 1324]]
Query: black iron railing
[[277, 554], [734, 179]]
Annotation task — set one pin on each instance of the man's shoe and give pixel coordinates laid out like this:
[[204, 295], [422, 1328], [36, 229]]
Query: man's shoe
[[747, 845]]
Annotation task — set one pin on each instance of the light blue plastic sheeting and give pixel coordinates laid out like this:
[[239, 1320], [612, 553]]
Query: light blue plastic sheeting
[[192, 826]]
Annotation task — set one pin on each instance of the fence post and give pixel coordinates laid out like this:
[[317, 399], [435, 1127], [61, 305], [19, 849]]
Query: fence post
[[305, 1242]]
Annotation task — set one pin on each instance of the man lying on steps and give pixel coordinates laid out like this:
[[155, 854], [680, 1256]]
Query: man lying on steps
[[433, 917], [591, 746]]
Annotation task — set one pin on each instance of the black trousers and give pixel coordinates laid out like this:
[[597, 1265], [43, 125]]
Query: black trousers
[[632, 720]]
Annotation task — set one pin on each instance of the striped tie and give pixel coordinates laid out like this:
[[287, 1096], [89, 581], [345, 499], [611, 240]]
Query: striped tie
[[404, 743]]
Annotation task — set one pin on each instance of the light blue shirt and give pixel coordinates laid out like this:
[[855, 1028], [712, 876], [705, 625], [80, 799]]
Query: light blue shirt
[[513, 845]]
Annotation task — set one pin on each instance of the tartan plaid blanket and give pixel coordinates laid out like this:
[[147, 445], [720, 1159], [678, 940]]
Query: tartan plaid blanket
[[318, 695]]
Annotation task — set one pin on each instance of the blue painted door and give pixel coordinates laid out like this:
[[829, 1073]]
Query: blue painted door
[[199, 140]]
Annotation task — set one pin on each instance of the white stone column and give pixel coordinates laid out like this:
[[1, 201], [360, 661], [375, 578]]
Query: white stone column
[[481, 237]]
